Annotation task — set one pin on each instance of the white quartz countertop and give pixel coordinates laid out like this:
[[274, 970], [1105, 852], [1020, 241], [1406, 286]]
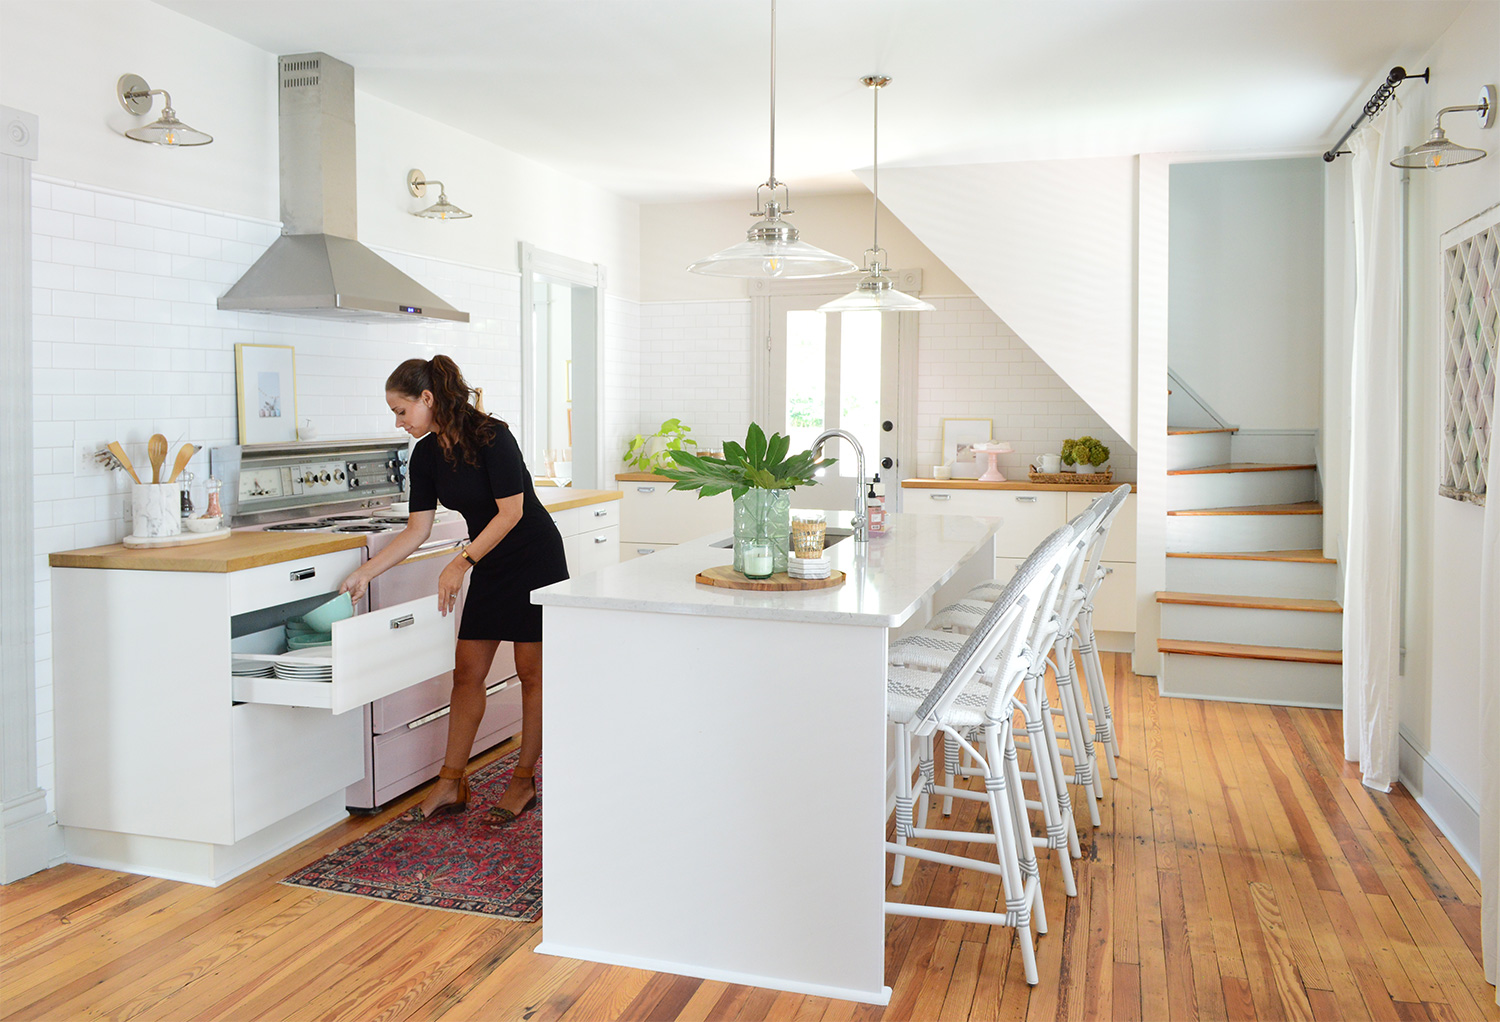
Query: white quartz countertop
[[886, 582]]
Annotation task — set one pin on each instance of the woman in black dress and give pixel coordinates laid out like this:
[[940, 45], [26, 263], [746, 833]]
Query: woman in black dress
[[472, 463]]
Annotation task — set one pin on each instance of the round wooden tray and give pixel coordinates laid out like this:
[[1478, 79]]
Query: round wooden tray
[[725, 577]]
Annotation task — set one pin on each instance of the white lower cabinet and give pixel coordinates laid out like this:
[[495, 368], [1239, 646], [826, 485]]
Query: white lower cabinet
[[653, 515], [1030, 516], [591, 535]]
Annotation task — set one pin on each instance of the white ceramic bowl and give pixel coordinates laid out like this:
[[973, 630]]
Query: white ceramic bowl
[[202, 524]]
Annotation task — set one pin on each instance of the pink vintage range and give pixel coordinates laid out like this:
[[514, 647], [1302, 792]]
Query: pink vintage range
[[405, 733]]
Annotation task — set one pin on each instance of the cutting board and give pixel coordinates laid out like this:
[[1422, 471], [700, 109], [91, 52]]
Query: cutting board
[[725, 577], [181, 539]]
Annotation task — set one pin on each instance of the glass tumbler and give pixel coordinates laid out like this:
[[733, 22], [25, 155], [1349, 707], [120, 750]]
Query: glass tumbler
[[808, 532]]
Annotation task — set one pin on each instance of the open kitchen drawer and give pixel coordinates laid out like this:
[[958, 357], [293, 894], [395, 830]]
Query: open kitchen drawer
[[374, 655]]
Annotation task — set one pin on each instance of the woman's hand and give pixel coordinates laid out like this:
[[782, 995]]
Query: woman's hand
[[356, 584], [450, 584]]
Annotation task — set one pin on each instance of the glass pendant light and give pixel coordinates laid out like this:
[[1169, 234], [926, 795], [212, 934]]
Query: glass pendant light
[[135, 96], [1438, 152], [876, 293], [772, 248]]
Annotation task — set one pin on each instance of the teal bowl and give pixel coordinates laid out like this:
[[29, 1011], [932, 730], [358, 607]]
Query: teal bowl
[[309, 639], [297, 626], [323, 616]]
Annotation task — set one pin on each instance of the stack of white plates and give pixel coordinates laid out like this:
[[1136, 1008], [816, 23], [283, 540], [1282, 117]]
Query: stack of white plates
[[315, 664], [252, 668], [809, 567]]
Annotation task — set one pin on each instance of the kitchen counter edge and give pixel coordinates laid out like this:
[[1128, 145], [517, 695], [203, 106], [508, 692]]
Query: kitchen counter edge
[[1011, 484]]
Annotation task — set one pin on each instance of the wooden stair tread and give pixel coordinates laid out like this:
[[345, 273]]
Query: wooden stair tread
[[1190, 432], [1251, 602], [1237, 466], [1237, 651], [1294, 556], [1305, 507]]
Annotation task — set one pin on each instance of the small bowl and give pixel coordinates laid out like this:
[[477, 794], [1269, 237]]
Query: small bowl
[[309, 640], [202, 524], [324, 615]]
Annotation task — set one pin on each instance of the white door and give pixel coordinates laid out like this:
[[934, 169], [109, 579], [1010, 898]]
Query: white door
[[835, 370]]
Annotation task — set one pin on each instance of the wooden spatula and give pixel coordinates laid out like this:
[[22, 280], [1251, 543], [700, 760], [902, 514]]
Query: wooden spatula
[[124, 459], [183, 457], [156, 450]]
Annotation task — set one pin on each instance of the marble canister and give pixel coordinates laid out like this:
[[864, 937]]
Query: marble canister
[[156, 509]]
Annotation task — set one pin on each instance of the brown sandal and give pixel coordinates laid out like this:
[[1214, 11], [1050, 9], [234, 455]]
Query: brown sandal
[[499, 817], [462, 803]]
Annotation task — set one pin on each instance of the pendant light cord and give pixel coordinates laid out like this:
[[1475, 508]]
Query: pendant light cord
[[772, 180], [875, 196]]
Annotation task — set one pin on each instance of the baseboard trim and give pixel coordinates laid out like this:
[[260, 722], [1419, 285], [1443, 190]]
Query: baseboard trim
[[552, 947], [1442, 797], [29, 841]]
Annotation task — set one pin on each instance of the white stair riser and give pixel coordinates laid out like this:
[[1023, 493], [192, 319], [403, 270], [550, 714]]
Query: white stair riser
[[1242, 533], [1277, 448], [1253, 578], [1194, 450], [1252, 626], [1252, 681], [1239, 489]]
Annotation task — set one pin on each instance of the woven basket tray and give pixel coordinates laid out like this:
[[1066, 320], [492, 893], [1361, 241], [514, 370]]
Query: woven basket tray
[[1106, 476]]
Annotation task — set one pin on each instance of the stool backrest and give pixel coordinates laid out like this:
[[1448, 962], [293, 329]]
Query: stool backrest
[[1002, 633], [1112, 503]]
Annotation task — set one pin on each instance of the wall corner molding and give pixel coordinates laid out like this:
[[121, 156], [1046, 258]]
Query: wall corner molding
[[26, 830]]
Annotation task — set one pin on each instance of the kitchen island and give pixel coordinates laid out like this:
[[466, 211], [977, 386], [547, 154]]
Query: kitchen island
[[715, 774]]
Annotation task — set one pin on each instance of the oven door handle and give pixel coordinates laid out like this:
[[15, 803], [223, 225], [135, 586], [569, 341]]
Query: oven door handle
[[436, 548]]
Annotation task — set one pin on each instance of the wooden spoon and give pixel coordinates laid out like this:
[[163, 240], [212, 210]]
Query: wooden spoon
[[124, 459], [156, 450], [183, 457]]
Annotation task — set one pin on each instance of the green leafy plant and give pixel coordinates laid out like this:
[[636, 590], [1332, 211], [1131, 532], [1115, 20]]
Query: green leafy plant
[[761, 464], [647, 456], [1084, 451]]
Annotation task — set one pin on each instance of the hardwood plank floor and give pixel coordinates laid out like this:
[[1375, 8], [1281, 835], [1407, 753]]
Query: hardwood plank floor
[[1241, 872]]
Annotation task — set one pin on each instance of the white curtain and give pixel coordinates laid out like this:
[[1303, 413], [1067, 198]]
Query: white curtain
[[1372, 612], [1489, 703]]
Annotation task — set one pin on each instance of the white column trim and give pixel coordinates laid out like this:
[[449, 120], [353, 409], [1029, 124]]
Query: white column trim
[[27, 831], [1152, 206]]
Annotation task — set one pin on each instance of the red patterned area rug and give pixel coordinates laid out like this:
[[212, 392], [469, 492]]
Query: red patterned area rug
[[454, 862]]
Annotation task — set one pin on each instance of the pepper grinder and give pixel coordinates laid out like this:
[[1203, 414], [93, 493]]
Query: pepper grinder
[[186, 482]]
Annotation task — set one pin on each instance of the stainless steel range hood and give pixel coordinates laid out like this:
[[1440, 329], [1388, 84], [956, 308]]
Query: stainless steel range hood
[[317, 268]]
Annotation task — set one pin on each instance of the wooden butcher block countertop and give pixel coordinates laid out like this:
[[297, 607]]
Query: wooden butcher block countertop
[[240, 551], [1010, 484]]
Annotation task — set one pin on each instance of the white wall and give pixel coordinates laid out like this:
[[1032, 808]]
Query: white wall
[[1439, 690], [1051, 248], [60, 60], [1246, 288], [676, 234]]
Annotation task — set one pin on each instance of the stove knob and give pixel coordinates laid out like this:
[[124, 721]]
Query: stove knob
[[324, 477], [339, 476], [394, 477], [353, 482]]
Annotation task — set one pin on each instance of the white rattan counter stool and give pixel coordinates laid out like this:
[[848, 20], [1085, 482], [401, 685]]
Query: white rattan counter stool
[[978, 717]]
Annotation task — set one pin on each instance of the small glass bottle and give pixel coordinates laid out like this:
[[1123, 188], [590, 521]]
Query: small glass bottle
[[213, 510]]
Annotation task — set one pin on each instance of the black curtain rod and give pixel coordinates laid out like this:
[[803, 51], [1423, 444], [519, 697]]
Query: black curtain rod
[[1377, 102]]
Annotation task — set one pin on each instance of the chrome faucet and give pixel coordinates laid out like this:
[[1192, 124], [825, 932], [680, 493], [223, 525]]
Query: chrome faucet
[[861, 524]]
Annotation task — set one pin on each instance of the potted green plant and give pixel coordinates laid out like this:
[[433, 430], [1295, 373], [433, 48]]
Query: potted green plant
[[650, 453], [760, 476], [1086, 454]]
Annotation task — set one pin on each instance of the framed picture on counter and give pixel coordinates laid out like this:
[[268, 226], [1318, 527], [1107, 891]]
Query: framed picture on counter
[[265, 377], [959, 438]]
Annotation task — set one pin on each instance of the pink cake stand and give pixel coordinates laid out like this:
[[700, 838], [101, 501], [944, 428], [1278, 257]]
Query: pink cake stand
[[994, 450]]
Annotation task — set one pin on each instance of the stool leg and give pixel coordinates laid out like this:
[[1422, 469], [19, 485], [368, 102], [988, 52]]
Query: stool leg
[[926, 768], [1076, 723], [1012, 843], [1057, 813], [903, 801], [1104, 714], [952, 755]]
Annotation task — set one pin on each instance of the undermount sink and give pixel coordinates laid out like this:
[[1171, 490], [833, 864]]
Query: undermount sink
[[830, 537]]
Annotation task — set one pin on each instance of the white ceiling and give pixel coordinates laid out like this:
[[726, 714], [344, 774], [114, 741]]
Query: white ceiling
[[667, 100]]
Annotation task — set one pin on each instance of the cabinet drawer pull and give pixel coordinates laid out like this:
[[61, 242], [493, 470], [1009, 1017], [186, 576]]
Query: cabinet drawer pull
[[644, 550], [940, 496], [601, 539], [1026, 500], [303, 574], [402, 622], [645, 489], [601, 514]]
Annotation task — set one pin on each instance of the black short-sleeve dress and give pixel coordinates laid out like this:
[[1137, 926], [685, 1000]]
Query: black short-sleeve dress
[[529, 557]]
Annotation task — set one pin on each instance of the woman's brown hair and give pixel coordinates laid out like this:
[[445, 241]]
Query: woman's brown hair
[[459, 426]]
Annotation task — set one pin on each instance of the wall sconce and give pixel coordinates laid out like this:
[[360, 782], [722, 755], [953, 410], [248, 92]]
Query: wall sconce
[[1437, 152], [416, 183], [135, 96]]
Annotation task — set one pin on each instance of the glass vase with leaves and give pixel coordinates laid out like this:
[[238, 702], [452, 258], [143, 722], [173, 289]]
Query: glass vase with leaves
[[761, 476]]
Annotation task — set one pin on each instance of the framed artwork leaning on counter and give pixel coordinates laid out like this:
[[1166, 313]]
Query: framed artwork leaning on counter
[[265, 383]]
